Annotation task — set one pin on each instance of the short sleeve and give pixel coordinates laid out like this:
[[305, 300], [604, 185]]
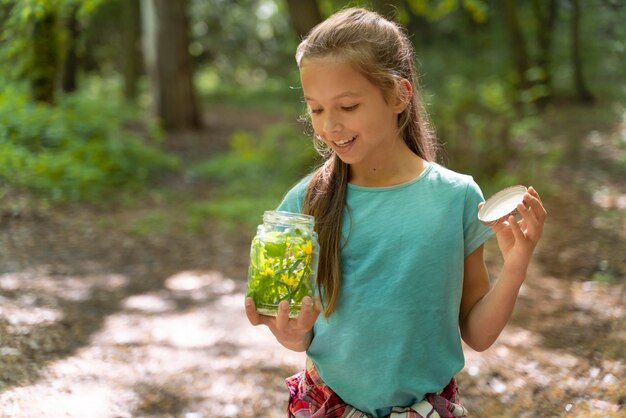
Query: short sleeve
[[292, 201], [475, 233]]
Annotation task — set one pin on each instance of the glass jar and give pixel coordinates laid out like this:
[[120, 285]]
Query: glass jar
[[283, 262]]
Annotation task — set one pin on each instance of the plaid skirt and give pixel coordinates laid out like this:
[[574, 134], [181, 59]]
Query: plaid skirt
[[309, 397]]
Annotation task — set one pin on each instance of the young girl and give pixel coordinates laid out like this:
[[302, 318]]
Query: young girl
[[401, 275]]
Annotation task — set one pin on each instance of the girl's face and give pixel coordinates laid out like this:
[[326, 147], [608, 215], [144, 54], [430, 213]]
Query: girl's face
[[349, 113]]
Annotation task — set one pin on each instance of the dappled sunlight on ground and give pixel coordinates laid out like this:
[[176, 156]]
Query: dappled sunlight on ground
[[563, 350], [187, 350], [182, 350], [520, 372], [43, 280]]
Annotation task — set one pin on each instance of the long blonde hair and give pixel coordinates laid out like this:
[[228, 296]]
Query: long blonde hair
[[381, 51]]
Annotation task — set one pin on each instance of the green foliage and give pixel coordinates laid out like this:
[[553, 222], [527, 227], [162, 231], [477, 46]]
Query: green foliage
[[278, 96], [485, 136], [233, 210], [604, 48], [405, 12], [77, 150], [474, 122], [261, 45], [16, 44], [437, 10], [255, 173]]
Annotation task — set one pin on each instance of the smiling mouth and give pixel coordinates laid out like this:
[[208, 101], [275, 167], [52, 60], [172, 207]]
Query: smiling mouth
[[344, 142]]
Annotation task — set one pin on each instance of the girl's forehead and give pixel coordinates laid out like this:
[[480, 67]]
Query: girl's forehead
[[328, 69], [334, 84], [330, 60]]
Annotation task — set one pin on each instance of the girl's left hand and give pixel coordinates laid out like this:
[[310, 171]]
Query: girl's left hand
[[517, 239]]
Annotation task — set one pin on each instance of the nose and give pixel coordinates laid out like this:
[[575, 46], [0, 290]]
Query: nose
[[331, 122]]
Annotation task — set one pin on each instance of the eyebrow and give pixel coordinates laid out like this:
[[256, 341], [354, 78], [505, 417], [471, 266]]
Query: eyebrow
[[339, 96]]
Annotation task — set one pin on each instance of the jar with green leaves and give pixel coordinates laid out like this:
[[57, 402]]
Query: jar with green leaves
[[283, 262]]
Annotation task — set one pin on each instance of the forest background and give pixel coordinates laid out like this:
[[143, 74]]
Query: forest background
[[141, 141]]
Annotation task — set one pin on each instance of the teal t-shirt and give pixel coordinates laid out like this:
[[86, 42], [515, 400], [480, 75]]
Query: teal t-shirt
[[394, 335]]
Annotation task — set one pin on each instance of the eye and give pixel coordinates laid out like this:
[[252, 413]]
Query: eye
[[315, 111], [349, 108]]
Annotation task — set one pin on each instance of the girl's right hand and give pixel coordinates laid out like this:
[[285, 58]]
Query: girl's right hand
[[293, 333]]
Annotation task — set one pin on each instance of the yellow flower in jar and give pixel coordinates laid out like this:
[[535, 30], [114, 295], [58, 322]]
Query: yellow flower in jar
[[289, 279], [307, 248], [267, 272]]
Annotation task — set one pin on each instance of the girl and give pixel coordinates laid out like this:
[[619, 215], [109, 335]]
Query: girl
[[401, 276]]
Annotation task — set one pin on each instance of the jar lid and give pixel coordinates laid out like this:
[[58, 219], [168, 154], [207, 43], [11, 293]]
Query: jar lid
[[501, 205]]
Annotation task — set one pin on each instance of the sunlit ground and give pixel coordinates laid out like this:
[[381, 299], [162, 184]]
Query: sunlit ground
[[563, 352], [186, 350]]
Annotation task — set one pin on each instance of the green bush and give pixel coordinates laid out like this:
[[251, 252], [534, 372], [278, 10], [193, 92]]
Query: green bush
[[281, 96], [255, 173], [78, 150], [474, 123]]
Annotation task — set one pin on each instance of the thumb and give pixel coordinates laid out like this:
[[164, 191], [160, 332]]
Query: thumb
[[251, 313]]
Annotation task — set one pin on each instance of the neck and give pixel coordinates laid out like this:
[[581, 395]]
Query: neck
[[400, 167]]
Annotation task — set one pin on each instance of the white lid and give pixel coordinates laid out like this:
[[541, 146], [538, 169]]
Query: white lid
[[501, 205]]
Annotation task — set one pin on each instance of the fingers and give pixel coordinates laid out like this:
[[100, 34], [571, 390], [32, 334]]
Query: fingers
[[527, 214], [282, 318], [516, 228], [500, 225], [253, 316], [282, 323], [309, 313], [533, 192], [534, 214], [536, 204]]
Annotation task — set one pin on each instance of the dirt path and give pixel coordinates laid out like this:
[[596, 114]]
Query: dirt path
[[94, 339], [184, 350], [99, 322]]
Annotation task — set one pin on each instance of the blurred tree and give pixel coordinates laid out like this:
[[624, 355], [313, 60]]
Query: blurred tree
[[304, 14], [44, 61], [545, 13], [39, 43], [517, 44], [534, 71], [580, 86], [131, 41], [70, 62], [166, 51]]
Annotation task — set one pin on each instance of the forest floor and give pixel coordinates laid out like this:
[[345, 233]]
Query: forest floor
[[101, 319]]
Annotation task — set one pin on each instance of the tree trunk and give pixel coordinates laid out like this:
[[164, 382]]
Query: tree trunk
[[304, 15], [545, 28], [169, 64], [70, 63], [131, 48], [583, 93], [45, 60], [518, 46]]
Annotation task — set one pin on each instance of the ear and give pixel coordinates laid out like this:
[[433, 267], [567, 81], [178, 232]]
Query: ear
[[404, 94]]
